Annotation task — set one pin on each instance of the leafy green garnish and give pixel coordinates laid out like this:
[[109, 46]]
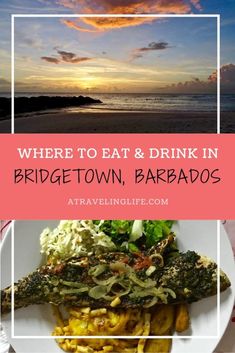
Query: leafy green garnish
[[137, 233], [133, 248], [118, 230], [116, 227], [156, 230]]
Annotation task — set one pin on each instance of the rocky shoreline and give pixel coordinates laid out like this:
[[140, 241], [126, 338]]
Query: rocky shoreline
[[34, 104]]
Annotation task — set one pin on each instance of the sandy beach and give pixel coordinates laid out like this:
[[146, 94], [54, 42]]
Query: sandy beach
[[125, 122]]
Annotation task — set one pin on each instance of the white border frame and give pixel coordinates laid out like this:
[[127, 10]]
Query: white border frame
[[217, 16], [13, 16], [116, 337]]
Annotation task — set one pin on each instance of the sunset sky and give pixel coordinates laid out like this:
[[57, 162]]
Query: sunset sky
[[117, 55]]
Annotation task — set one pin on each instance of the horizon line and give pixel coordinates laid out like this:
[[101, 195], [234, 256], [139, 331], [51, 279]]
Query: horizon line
[[81, 93]]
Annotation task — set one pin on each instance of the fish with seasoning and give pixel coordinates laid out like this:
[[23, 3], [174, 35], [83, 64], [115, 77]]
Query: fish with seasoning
[[120, 279]]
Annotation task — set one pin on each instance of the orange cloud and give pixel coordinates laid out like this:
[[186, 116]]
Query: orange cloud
[[104, 23], [74, 25], [172, 6], [130, 6], [124, 7], [98, 24]]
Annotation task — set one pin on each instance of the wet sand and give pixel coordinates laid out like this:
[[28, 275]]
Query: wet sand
[[125, 122]]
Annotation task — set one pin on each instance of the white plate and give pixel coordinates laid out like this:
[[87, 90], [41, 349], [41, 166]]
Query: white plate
[[38, 320]]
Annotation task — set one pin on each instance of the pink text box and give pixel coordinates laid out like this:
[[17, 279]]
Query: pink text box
[[87, 199]]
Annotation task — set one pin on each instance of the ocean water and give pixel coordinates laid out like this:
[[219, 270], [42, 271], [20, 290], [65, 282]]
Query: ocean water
[[162, 102], [150, 102]]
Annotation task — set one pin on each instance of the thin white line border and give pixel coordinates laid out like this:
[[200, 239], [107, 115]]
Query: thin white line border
[[13, 16], [217, 336]]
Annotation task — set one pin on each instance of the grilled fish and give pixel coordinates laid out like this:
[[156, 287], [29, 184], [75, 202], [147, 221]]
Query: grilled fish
[[119, 279]]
